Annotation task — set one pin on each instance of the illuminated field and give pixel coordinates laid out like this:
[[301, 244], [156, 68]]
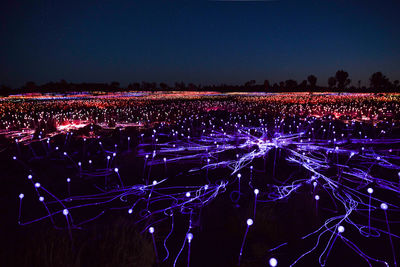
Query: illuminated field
[[289, 179]]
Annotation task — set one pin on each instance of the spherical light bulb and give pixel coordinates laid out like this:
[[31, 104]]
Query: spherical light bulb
[[316, 197], [65, 212], [370, 190], [130, 211], [29, 176], [384, 206], [151, 230], [37, 185], [116, 169], [249, 222], [189, 237], [187, 194], [341, 229], [41, 199], [21, 196], [273, 262], [256, 191]]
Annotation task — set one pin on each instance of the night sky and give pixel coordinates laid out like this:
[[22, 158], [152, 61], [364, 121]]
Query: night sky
[[197, 41]]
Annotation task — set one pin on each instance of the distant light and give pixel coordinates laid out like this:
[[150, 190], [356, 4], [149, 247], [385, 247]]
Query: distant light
[[68, 180], [130, 211], [41, 199], [239, 175], [37, 185], [116, 170], [29, 176]]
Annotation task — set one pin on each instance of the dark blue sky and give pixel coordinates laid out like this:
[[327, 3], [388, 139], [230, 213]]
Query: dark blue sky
[[200, 41]]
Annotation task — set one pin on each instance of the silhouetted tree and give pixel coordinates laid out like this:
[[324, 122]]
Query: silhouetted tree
[[342, 78], [266, 86], [331, 82], [290, 84], [303, 85], [312, 80], [5, 90], [163, 86], [396, 84], [378, 81]]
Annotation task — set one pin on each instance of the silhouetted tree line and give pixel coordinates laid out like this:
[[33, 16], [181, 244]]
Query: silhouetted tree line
[[340, 82]]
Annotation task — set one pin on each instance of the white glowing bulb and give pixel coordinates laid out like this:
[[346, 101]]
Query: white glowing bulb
[[68, 180], [21, 196], [370, 190], [130, 211], [239, 175], [154, 182], [116, 170], [341, 229], [41, 199], [151, 230], [189, 237], [37, 185], [316, 197], [256, 191], [187, 194], [65, 212], [29, 176], [273, 262], [384, 206], [249, 222]]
